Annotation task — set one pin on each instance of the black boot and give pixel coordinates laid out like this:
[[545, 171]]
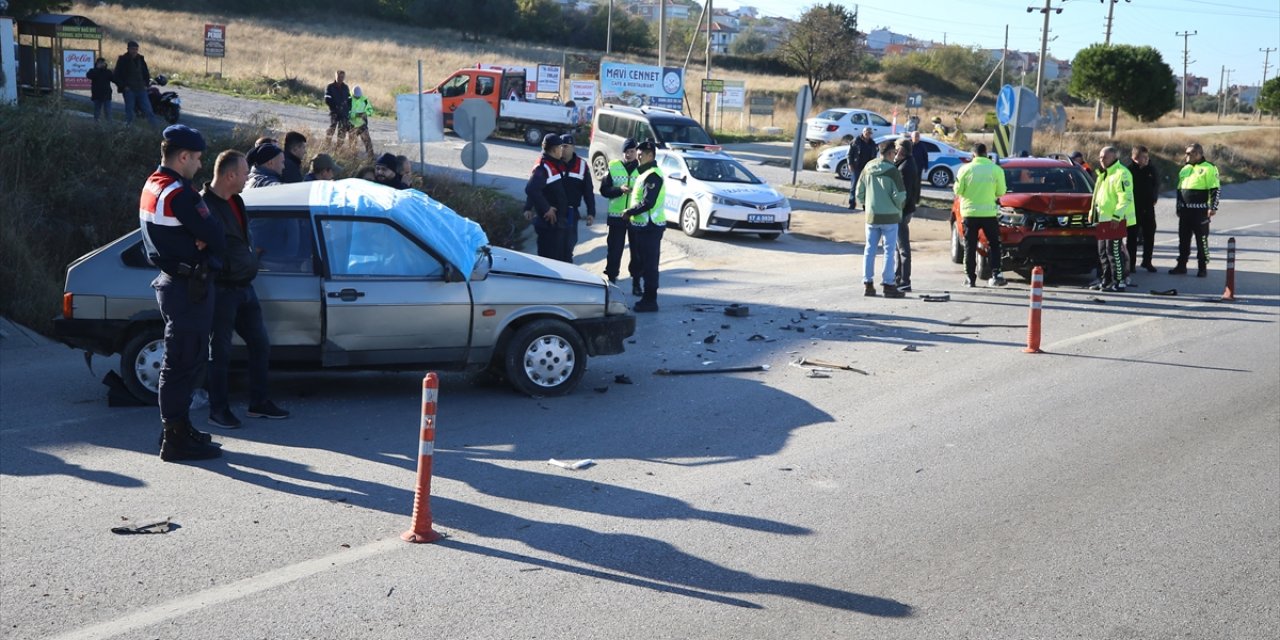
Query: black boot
[[1179, 270], [1202, 272], [891, 291], [179, 443], [869, 289]]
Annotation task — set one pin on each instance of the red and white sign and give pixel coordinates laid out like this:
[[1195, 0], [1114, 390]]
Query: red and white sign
[[215, 40], [75, 69]]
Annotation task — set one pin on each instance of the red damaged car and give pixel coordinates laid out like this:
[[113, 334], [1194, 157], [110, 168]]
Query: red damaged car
[[1044, 220]]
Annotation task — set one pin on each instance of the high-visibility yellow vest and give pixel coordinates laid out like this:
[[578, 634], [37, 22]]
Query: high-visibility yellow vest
[[361, 111], [979, 184], [658, 214], [1113, 194], [1202, 175], [620, 176]]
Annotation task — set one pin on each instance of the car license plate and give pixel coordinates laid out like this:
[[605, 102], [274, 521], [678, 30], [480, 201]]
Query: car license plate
[[759, 217]]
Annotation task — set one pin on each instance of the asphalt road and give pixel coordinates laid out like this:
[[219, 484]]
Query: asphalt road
[[1124, 484]]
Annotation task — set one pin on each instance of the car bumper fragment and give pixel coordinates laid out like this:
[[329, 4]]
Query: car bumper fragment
[[605, 336], [102, 337]]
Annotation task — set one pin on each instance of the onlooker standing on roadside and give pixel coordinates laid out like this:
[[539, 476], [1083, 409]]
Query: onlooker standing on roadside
[[385, 172], [322, 168], [1146, 191], [979, 185], [236, 307], [881, 193], [132, 77], [578, 191], [179, 235], [906, 163], [1198, 189], [616, 186], [861, 151], [918, 152], [359, 113], [295, 149], [338, 99], [100, 88], [544, 198], [265, 162], [1112, 207]]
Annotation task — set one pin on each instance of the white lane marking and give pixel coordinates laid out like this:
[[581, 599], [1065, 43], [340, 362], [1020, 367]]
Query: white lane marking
[[229, 592], [1222, 231]]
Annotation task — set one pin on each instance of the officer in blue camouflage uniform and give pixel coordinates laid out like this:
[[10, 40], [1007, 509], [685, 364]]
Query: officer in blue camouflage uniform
[[179, 236]]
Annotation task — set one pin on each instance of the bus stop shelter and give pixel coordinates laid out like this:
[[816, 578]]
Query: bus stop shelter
[[54, 51]]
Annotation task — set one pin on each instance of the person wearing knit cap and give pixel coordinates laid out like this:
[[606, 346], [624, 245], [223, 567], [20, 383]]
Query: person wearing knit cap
[[385, 171], [358, 117], [265, 164], [180, 237]]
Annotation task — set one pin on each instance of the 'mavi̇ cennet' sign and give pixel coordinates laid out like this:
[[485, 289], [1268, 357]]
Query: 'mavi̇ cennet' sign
[[640, 85]]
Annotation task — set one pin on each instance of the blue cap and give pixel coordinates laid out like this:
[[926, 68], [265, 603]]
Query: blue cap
[[629, 144], [550, 140], [566, 139], [184, 137], [647, 145]]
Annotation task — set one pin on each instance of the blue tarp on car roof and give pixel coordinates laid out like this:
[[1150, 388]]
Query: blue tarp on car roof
[[454, 237]]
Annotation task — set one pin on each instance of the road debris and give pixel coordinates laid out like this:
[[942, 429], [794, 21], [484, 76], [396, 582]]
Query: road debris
[[910, 347], [572, 466], [1097, 300], [622, 378], [758, 338], [711, 339], [160, 526], [737, 310], [830, 365], [602, 389], [945, 297], [1166, 292], [689, 372]]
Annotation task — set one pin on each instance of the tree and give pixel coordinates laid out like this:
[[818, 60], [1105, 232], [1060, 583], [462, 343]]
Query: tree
[[25, 8], [822, 45], [1269, 96], [748, 43], [537, 20], [1135, 79]]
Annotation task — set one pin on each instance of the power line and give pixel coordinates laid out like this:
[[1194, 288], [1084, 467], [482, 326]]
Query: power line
[[1185, 61]]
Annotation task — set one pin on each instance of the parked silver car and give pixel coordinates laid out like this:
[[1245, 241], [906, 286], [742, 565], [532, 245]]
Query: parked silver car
[[357, 275]]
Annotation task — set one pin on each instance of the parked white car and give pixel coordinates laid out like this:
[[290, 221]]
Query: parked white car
[[841, 126], [710, 191], [944, 161]]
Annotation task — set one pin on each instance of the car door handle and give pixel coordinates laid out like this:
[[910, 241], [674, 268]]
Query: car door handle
[[346, 295]]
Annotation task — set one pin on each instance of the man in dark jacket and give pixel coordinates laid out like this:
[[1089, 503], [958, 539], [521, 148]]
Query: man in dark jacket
[[906, 163], [545, 202], [132, 76], [322, 168], [295, 149], [100, 88], [338, 97], [861, 151], [266, 161], [1146, 190], [578, 191], [236, 307], [387, 172]]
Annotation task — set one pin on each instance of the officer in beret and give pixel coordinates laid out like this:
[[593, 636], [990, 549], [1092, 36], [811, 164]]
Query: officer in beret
[[647, 216], [179, 235], [545, 202]]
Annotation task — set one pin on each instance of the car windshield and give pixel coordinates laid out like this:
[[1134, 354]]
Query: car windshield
[[685, 133], [719, 170], [1046, 180]]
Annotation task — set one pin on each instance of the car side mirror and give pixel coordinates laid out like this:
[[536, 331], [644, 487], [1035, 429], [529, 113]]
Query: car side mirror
[[676, 175]]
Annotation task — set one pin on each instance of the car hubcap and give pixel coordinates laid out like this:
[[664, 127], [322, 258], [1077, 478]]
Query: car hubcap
[[689, 220], [940, 179], [844, 170], [549, 361], [147, 365]]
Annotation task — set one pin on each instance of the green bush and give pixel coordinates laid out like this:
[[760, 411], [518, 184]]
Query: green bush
[[71, 185]]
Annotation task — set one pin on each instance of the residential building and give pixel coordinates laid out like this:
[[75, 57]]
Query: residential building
[[721, 36], [1196, 86]]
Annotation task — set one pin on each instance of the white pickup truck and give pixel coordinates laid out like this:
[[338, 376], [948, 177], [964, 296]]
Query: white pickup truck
[[505, 92]]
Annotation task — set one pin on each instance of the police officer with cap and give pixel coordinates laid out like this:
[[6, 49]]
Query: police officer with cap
[[546, 203], [1198, 193], [179, 235], [579, 193], [616, 186], [648, 220]]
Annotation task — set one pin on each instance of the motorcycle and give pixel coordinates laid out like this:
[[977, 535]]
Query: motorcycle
[[164, 104]]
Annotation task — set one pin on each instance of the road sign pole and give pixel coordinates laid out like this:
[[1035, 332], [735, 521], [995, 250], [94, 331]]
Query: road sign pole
[[422, 145], [473, 151]]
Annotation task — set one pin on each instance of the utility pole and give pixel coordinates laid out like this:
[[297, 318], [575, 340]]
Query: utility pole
[[1111, 9], [1004, 54], [706, 97], [1185, 61], [1044, 42], [662, 33], [1266, 64], [1222, 90], [608, 32]]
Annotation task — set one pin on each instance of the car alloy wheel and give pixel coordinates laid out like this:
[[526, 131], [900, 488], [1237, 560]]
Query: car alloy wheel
[[599, 167], [843, 171], [940, 177], [689, 220]]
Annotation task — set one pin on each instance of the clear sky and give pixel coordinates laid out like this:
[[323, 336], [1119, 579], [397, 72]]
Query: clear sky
[[1230, 32]]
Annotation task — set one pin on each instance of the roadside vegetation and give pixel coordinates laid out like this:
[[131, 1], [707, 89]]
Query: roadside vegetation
[[71, 185]]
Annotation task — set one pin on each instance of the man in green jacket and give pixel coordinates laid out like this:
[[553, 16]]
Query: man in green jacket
[[1112, 208], [979, 185], [881, 193]]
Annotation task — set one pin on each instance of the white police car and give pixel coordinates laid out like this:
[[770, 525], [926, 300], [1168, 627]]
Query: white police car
[[709, 191], [944, 161]]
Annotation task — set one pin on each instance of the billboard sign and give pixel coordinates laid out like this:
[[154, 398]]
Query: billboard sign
[[75, 69], [215, 40], [640, 85], [549, 78], [734, 96]]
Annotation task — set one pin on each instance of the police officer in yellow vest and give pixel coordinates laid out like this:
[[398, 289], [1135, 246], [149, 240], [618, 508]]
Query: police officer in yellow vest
[[647, 218], [617, 186], [1112, 209], [979, 185], [1198, 189]]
